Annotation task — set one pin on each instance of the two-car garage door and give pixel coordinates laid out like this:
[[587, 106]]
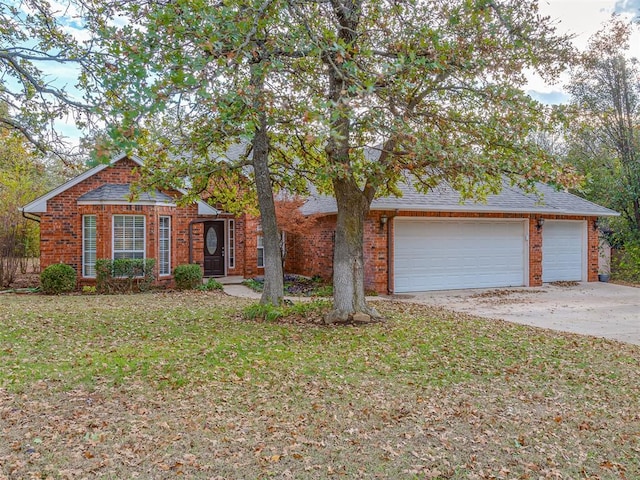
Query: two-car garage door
[[441, 254]]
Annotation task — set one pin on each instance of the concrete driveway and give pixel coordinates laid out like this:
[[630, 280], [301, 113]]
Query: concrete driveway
[[598, 309]]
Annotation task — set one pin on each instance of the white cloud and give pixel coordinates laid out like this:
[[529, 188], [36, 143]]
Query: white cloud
[[631, 7]]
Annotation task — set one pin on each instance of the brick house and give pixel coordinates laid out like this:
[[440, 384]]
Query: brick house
[[92, 216], [415, 242], [434, 241]]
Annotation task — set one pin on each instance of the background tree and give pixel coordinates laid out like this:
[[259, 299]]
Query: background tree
[[22, 178], [604, 141]]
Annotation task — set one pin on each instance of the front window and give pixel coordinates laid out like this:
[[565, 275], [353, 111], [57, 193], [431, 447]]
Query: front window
[[260, 240], [89, 246], [128, 236], [260, 251], [164, 250]]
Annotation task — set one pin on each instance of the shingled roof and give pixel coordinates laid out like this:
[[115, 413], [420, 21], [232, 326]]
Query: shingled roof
[[443, 198]]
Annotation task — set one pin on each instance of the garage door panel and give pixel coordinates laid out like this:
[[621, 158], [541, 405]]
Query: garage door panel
[[563, 251], [443, 254]]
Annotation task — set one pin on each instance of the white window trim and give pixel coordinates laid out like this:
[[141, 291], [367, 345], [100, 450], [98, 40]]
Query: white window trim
[[160, 251], [231, 244], [261, 247], [86, 265], [259, 240], [144, 236]]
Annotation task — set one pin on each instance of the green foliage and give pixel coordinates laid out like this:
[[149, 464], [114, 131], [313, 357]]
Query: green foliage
[[625, 263], [188, 276], [124, 275], [89, 289], [58, 278], [324, 291], [254, 284], [266, 312], [211, 285], [304, 309], [271, 313]]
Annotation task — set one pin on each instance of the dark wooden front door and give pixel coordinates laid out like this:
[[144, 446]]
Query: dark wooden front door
[[213, 249]]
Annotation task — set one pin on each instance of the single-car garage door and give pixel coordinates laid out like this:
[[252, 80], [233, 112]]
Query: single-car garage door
[[441, 254], [563, 253]]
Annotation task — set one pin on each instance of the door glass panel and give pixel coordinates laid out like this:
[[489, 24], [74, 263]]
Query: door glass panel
[[212, 241]]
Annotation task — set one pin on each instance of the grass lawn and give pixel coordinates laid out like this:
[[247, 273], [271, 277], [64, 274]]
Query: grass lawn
[[163, 385]]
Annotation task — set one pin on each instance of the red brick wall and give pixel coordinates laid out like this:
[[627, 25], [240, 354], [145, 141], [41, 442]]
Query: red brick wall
[[535, 252], [61, 225], [313, 254]]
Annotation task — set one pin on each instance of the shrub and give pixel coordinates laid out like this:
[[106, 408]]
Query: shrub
[[625, 264], [58, 278], [212, 284], [124, 275], [187, 277]]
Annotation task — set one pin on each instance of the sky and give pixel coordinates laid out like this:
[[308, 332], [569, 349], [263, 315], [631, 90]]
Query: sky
[[581, 18]]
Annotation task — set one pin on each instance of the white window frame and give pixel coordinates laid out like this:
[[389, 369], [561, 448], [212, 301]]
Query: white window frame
[[164, 234], [124, 252], [89, 251], [260, 248], [231, 244]]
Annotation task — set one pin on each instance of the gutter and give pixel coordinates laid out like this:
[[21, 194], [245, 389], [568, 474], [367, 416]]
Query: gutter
[[33, 217]]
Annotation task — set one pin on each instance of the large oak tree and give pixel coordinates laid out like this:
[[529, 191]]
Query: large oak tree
[[434, 88], [195, 88], [370, 92]]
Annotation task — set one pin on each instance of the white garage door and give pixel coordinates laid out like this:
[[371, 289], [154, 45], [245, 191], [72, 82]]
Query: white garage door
[[563, 253], [450, 254]]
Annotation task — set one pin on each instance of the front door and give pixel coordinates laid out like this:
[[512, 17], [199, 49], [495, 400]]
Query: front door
[[213, 249]]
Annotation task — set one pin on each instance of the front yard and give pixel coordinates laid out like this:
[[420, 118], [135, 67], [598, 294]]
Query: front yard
[[166, 384]]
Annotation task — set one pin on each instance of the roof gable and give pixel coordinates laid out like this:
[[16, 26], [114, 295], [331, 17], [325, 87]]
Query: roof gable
[[39, 205]]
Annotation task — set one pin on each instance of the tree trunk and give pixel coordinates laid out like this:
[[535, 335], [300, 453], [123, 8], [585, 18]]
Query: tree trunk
[[349, 303], [273, 275]]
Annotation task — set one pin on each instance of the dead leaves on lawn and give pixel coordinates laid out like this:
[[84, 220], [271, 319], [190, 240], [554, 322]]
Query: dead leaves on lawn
[[429, 395]]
